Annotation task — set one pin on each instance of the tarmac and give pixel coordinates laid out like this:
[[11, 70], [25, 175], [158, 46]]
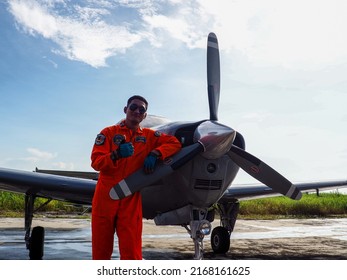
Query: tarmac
[[70, 239]]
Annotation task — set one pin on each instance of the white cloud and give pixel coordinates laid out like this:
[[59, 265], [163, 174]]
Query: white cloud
[[37, 158], [34, 18], [53, 63], [97, 30], [294, 34], [64, 165], [82, 36], [256, 117], [185, 21], [37, 155], [305, 34]]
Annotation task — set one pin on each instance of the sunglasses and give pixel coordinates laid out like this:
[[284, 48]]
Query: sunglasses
[[134, 107]]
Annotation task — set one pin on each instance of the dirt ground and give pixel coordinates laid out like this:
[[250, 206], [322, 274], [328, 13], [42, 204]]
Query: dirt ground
[[284, 239], [257, 239]]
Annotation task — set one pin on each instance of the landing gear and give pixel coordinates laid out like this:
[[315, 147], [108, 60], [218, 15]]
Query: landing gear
[[35, 242], [199, 227], [220, 237], [220, 240], [197, 221]]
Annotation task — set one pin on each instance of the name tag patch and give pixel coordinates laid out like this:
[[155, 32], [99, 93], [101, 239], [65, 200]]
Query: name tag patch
[[140, 139]]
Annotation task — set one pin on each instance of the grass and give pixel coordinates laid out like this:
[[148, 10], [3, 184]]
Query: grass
[[12, 205], [311, 205]]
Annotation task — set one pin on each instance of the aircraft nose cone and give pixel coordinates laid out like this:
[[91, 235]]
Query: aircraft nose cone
[[215, 137]]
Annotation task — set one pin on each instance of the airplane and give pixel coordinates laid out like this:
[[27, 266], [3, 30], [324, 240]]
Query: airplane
[[187, 189]]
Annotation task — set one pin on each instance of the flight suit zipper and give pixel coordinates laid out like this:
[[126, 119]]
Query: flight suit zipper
[[132, 136]]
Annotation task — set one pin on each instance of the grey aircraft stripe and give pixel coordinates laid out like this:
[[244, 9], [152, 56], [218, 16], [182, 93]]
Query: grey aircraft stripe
[[125, 188], [212, 45], [293, 192], [120, 190], [113, 194]]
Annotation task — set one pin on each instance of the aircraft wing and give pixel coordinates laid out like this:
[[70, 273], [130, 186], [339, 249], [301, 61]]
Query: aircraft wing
[[65, 188], [78, 174], [75, 189], [81, 190], [248, 192]]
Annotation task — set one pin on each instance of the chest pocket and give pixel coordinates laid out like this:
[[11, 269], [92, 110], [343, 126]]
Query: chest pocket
[[140, 139], [117, 140], [141, 146]]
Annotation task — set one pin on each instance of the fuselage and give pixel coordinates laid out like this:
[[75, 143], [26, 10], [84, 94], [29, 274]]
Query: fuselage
[[201, 181]]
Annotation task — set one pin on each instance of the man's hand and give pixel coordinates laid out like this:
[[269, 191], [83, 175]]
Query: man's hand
[[150, 161], [124, 150]]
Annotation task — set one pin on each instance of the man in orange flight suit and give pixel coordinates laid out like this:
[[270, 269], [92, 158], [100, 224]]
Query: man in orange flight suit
[[120, 150]]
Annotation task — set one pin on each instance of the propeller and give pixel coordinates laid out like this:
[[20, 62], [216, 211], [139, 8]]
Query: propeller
[[214, 140], [252, 165], [263, 173], [213, 75], [138, 180]]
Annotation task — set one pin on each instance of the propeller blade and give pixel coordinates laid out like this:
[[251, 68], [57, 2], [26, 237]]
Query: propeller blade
[[138, 180], [213, 75], [263, 173]]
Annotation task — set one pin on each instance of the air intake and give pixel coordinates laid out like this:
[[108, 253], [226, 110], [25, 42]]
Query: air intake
[[208, 184]]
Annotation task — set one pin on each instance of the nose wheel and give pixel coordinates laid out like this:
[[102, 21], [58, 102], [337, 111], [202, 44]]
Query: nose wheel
[[220, 240], [220, 236]]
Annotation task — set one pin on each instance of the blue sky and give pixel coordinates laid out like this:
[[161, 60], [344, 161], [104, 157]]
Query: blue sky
[[68, 67]]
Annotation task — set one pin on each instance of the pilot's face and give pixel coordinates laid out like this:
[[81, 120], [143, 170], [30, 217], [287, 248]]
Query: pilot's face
[[136, 111]]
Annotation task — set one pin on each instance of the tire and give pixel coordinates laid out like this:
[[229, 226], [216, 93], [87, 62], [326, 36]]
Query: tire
[[220, 240], [36, 243]]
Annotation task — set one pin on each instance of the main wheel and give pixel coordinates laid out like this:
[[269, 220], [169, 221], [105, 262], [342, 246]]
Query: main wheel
[[220, 240], [36, 243]]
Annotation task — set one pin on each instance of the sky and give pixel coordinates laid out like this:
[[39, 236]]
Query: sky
[[68, 67]]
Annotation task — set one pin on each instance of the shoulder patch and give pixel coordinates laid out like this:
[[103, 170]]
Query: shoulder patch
[[100, 139], [157, 133]]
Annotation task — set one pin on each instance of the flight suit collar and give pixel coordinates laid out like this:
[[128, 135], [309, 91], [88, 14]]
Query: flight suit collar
[[123, 126]]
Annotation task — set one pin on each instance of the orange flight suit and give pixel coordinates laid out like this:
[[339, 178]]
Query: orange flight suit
[[122, 216]]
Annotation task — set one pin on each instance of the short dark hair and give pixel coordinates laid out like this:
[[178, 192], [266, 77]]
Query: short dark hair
[[139, 97]]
